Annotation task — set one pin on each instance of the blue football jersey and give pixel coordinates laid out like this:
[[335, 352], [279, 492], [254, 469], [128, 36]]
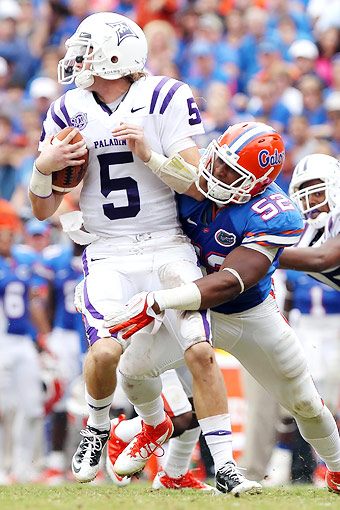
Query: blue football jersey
[[269, 219], [310, 296], [16, 278], [63, 272]]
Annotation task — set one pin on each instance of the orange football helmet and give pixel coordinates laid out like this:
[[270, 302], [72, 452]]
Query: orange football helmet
[[254, 150]]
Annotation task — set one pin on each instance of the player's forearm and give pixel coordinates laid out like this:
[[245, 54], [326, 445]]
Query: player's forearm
[[207, 292], [44, 208], [308, 259]]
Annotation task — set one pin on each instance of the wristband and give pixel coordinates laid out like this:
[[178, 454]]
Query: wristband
[[187, 297], [40, 184], [236, 274], [156, 161], [175, 171]]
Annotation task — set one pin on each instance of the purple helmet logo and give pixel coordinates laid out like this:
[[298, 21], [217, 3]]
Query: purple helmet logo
[[123, 30]]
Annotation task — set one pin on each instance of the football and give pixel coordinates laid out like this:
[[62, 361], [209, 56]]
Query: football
[[68, 178]]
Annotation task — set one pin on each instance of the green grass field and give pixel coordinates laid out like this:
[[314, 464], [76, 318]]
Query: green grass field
[[140, 495]]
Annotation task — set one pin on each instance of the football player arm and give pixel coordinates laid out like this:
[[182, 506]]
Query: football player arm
[[53, 157], [179, 171], [241, 269], [312, 259]]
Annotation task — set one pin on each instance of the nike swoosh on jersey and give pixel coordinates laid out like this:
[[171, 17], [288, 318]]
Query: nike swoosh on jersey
[[94, 260], [191, 222], [133, 110]]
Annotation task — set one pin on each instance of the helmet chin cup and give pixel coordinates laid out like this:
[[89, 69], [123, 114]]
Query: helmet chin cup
[[318, 222], [84, 80]]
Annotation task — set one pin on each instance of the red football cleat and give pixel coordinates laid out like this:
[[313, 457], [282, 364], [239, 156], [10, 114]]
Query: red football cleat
[[149, 441], [187, 481], [115, 446], [333, 481]]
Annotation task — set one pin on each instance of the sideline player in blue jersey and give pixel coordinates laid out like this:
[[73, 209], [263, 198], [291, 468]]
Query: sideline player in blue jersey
[[239, 233], [20, 383], [62, 268]]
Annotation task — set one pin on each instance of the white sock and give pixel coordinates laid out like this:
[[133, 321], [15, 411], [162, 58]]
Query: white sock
[[328, 449], [217, 433], [128, 429], [99, 411], [179, 453], [152, 413]]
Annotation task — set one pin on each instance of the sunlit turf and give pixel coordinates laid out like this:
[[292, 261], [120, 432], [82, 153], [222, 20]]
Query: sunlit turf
[[140, 495]]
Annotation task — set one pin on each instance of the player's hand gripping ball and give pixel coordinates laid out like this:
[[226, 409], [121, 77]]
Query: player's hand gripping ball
[[69, 177]]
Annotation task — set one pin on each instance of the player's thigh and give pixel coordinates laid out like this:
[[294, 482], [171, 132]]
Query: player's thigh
[[268, 348], [150, 355]]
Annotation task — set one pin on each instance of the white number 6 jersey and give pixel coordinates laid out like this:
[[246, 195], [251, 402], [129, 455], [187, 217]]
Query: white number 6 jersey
[[120, 195]]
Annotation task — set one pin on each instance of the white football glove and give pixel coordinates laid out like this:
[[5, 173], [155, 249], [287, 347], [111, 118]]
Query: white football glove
[[136, 314]]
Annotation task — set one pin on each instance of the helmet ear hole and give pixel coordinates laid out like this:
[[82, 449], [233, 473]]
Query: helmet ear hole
[[114, 59]]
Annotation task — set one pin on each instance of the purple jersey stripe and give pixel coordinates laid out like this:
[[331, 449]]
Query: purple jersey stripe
[[57, 119], [169, 96], [84, 261], [88, 305], [43, 134], [64, 111], [156, 93], [206, 325]]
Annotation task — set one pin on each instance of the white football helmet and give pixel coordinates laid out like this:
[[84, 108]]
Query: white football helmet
[[105, 44], [326, 169]]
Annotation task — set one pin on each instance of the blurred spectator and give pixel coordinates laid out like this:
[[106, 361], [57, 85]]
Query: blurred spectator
[[281, 75], [13, 47], [324, 13], [43, 91], [7, 158], [271, 110], [161, 39], [187, 26], [277, 9], [211, 28], [335, 65], [234, 28], [332, 105], [205, 69], [268, 56], [218, 115], [255, 28], [298, 144], [329, 45], [149, 10], [313, 109], [304, 54]]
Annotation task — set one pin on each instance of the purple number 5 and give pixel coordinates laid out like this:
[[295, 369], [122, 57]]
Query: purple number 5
[[195, 117], [126, 184]]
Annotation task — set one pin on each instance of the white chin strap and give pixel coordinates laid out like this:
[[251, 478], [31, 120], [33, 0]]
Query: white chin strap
[[84, 80], [318, 222]]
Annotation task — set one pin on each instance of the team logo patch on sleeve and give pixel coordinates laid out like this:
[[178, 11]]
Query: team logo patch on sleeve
[[225, 238], [79, 121], [122, 30]]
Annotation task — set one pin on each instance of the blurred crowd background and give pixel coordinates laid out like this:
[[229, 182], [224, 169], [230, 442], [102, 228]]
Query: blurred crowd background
[[269, 60]]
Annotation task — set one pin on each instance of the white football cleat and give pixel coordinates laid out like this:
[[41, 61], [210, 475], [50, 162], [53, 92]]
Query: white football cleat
[[133, 459], [228, 479], [85, 462]]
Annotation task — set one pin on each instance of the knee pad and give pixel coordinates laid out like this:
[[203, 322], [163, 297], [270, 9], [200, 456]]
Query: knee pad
[[308, 404]]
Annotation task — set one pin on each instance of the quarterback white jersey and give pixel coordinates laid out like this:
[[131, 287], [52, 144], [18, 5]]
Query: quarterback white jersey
[[310, 237], [120, 195]]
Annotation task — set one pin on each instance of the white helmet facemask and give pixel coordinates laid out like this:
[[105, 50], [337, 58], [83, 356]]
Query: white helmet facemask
[[106, 45], [218, 191]]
